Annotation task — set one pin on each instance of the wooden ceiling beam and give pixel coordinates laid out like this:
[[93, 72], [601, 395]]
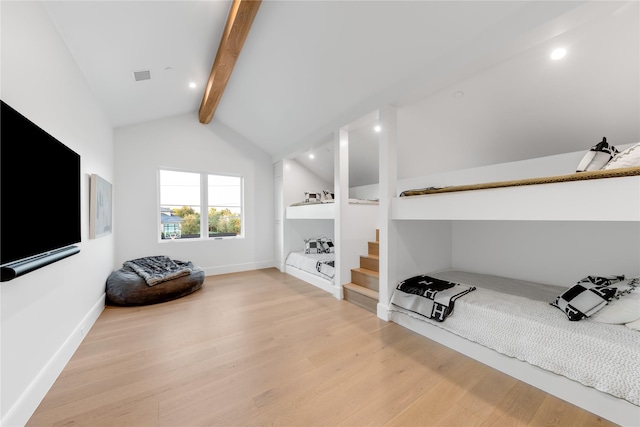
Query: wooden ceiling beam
[[235, 33]]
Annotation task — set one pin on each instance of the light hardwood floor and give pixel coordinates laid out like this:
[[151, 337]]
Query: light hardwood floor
[[263, 348]]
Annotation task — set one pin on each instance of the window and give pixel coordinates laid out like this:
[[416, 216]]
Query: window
[[185, 195], [225, 207]]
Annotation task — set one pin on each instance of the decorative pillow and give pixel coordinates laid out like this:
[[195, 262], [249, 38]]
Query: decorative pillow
[[327, 245], [328, 195], [312, 197], [312, 246], [624, 307], [587, 296], [628, 158], [597, 157]]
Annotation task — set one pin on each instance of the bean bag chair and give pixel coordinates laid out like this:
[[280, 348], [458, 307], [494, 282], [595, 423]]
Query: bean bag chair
[[125, 287]]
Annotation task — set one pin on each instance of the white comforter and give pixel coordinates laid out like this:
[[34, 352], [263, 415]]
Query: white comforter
[[308, 263], [603, 356]]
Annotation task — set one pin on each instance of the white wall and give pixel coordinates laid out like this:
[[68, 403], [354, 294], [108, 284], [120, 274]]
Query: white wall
[[366, 192], [556, 253], [298, 179], [181, 142], [559, 164], [44, 312], [530, 106]]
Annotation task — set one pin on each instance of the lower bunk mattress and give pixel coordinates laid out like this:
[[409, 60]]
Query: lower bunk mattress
[[515, 318], [321, 265]]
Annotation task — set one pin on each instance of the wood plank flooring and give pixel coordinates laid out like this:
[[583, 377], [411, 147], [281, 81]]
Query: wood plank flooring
[[262, 348]]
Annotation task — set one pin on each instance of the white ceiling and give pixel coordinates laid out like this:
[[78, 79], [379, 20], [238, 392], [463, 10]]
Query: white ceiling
[[307, 67], [176, 40]]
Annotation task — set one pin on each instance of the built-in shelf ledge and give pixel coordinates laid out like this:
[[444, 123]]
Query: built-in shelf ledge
[[19, 268]]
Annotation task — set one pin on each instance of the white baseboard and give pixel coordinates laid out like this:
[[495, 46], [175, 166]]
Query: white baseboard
[[383, 311], [237, 268], [28, 402]]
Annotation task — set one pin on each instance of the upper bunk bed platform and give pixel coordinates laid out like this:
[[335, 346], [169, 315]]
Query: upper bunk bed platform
[[321, 210], [312, 211], [609, 195]]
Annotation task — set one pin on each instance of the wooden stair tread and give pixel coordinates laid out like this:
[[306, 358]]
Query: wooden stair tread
[[362, 290], [367, 272], [372, 256]]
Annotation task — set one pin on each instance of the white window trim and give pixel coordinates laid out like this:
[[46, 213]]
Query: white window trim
[[204, 207]]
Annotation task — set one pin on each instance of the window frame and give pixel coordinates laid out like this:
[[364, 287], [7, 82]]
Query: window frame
[[204, 206]]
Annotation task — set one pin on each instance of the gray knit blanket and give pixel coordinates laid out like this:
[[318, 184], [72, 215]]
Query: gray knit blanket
[[158, 269]]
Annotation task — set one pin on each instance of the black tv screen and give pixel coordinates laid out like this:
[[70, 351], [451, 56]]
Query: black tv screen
[[40, 190]]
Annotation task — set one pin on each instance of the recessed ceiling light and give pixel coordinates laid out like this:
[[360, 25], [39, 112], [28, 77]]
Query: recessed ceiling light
[[377, 128], [192, 85], [458, 94], [311, 156], [558, 53]]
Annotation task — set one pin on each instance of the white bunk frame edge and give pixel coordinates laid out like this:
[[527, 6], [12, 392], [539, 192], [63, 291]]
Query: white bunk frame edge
[[602, 404], [541, 202], [312, 211], [316, 281]]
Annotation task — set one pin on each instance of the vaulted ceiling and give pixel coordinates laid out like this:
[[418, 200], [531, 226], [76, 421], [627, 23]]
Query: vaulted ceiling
[[308, 67]]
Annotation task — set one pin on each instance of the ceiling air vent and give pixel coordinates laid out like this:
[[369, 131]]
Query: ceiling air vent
[[142, 75]]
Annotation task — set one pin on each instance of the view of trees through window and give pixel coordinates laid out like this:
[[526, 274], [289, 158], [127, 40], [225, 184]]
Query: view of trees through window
[[182, 201]]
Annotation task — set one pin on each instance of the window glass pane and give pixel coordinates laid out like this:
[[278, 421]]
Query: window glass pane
[[179, 188], [179, 205], [224, 191], [225, 205]]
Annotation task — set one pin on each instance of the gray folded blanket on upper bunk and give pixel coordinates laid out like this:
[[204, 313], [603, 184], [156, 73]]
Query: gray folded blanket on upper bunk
[[438, 296], [158, 269]]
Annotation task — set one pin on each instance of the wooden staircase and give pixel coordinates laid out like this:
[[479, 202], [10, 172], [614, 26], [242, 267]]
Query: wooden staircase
[[363, 289]]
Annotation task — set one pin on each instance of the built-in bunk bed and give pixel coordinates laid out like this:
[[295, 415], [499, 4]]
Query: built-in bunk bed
[[312, 252], [565, 317], [312, 257]]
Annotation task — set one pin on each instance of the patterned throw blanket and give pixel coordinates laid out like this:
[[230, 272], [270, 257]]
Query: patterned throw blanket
[[158, 269], [429, 297], [326, 267]]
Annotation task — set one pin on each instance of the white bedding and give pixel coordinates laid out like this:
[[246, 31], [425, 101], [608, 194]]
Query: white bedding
[[605, 357], [308, 263]]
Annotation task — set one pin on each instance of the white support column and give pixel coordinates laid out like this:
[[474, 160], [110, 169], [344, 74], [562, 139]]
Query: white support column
[[341, 188], [388, 188], [278, 182]]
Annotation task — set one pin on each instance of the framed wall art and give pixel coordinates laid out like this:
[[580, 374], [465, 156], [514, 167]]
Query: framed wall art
[[100, 220]]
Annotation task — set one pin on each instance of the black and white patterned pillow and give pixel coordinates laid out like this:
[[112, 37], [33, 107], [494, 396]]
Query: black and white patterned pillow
[[312, 197], [328, 195], [313, 246], [327, 245], [597, 157], [587, 296]]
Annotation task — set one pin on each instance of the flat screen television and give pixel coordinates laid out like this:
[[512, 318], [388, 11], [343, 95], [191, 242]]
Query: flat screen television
[[39, 196]]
